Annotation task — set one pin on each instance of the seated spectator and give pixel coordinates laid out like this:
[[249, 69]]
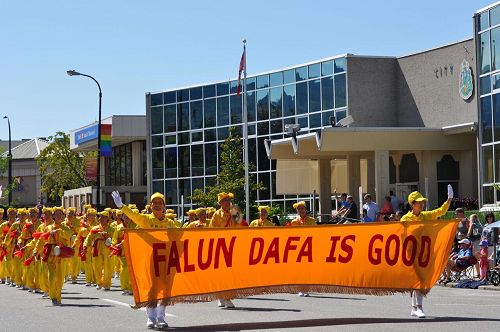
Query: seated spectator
[[365, 217], [351, 213], [459, 261]]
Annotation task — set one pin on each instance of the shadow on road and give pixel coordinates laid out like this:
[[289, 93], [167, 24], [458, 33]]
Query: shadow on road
[[79, 298], [260, 309], [336, 297], [85, 305], [264, 299], [326, 322]]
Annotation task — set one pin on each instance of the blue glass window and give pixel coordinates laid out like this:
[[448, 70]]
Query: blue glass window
[[250, 83], [302, 99], [170, 97], [315, 120], [303, 122], [171, 162], [184, 161], [209, 108], [209, 91], [327, 68], [198, 184], [157, 141], [495, 49], [222, 133], [486, 84], [252, 151], [156, 120], [301, 74], [183, 116], [197, 136], [276, 103], [262, 105], [483, 21], [233, 85], [196, 93], [276, 78], [222, 111], [495, 16], [263, 128], [289, 76], [484, 52], [251, 129], [314, 96], [314, 70], [327, 93], [340, 91], [183, 95], [496, 118], [237, 130], [171, 192], [156, 99], [158, 186], [339, 115], [184, 138], [210, 135], [262, 159], [196, 115], [157, 163], [340, 65], [236, 109], [488, 164], [197, 167], [170, 118], [171, 139], [277, 126], [326, 117], [185, 188], [222, 89], [262, 81], [211, 159], [289, 100], [251, 106]]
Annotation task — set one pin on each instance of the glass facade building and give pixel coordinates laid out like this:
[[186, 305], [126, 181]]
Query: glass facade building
[[187, 126], [487, 37]]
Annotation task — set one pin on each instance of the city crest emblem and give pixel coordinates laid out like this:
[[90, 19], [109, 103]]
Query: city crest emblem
[[466, 85]]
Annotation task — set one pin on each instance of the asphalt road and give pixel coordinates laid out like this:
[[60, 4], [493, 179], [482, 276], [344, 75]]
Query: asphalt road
[[88, 309]]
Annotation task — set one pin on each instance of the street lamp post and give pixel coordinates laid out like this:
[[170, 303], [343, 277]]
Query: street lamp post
[[98, 203], [9, 155]]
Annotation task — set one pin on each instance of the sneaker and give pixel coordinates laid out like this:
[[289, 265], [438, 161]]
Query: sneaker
[[73, 281], [97, 287], [106, 288], [45, 295], [88, 284], [221, 303], [229, 304], [161, 324], [303, 294], [150, 324], [417, 313], [54, 302]]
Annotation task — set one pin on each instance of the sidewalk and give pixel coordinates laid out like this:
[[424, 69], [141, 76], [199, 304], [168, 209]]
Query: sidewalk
[[485, 287]]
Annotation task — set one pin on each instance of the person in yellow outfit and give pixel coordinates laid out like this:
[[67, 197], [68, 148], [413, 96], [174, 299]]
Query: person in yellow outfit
[[26, 244], [191, 217], [41, 266], [5, 256], [210, 212], [263, 220], [11, 243], [221, 219], [117, 242], [156, 219], [85, 256], [201, 214], [2, 276], [33, 217], [99, 239], [417, 213], [59, 236], [115, 259], [302, 219], [73, 263]]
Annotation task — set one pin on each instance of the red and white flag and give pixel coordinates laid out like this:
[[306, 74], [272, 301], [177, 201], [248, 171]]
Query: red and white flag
[[242, 67]]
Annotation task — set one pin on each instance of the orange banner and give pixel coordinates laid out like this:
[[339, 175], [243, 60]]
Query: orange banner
[[203, 264]]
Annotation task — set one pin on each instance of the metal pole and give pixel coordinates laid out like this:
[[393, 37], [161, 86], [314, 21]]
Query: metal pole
[[10, 164], [245, 133]]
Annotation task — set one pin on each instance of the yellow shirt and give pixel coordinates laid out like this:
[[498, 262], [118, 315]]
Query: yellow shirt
[[197, 223], [427, 215], [307, 221], [261, 223], [97, 240], [222, 219], [60, 238], [148, 220]]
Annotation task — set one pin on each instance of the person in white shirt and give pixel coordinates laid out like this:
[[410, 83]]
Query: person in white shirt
[[371, 209]]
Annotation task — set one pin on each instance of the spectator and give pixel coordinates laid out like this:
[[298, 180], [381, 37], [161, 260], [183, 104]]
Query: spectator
[[351, 213], [483, 261], [371, 208], [461, 260], [488, 233], [276, 220], [398, 215], [387, 207], [395, 201], [364, 217], [342, 204]]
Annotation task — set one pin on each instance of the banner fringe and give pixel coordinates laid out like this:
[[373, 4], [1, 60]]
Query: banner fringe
[[232, 294]]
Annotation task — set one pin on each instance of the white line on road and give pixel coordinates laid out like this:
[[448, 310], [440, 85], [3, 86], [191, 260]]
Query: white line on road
[[128, 306], [461, 304]]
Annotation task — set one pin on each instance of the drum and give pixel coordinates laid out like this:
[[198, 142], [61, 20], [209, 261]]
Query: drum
[[64, 252], [73, 238], [108, 242]]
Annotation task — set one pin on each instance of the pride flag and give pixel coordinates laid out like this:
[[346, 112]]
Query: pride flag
[[106, 149]]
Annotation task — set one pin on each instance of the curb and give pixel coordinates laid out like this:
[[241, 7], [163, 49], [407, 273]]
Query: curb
[[485, 287]]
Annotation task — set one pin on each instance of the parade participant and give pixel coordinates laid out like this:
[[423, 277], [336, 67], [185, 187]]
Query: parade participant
[[302, 218], [201, 214], [210, 212], [41, 266], [155, 219], [2, 275], [72, 264], [115, 260], [26, 244], [33, 217], [192, 217], [59, 236], [417, 213], [99, 239], [7, 251], [263, 220], [222, 219], [170, 214], [86, 224], [118, 252], [11, 243]]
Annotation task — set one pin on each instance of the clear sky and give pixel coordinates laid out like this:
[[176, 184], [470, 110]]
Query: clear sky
[[134, 47]]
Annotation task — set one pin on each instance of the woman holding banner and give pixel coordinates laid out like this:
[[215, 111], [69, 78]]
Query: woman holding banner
[[263, 220], [417, 213], [156, 219]]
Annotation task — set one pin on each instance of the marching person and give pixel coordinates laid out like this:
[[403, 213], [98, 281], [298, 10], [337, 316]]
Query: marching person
[[417, 213], [5, 250], [201, 213], [73, 264], [155, 219], [118, 251], [41, 266], [11, 243], [58, 235], [85, 255], [192, 217], [99, 239], [263, 220]]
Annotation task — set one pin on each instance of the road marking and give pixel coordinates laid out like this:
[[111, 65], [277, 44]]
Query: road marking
[[461, 304], [128, 306]]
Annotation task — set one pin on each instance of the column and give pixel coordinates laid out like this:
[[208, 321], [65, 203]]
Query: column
[[137, 164], [353, 175], [381, 175], [325, 189]]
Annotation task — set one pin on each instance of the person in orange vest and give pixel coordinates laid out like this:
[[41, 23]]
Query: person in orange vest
[[59, 236], [156, 219], [263, 220], [99, 240], [417, 213], [85, 256]]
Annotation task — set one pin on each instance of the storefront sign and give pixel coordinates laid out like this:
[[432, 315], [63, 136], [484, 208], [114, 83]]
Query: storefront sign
[[86, 134]]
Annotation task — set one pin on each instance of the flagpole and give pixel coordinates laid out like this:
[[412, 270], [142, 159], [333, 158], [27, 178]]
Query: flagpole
[[245, 133]]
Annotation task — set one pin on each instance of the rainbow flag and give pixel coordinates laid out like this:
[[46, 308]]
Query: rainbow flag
[[106, 148]]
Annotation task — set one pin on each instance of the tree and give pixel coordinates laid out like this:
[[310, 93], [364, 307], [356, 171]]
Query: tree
[[60, 167], [231, 177], [4, 164]]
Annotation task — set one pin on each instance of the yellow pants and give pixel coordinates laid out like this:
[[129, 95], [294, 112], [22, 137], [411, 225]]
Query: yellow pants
[[7, 267], [124, 276], [56, 279], [102, 269], [87, 267], [43, 275], [17, 271], [2, 274], [29, 275], [73, 266], [117, 264]]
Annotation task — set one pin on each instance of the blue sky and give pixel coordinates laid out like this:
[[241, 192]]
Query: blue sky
[[133, 47]]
